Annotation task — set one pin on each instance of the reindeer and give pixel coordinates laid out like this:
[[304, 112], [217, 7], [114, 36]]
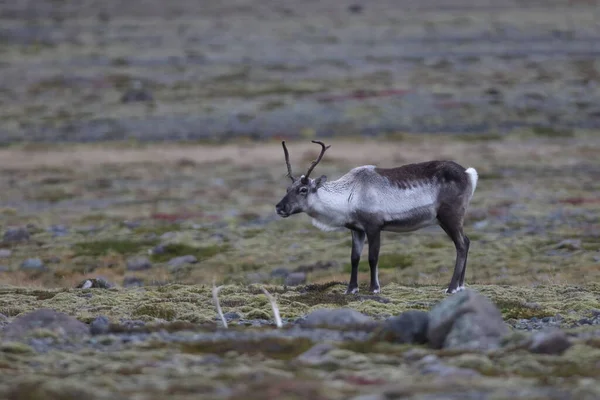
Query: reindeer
[[368, 200]]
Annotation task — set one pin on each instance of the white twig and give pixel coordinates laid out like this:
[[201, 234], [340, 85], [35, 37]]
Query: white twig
[[274, 306], [215, 294]]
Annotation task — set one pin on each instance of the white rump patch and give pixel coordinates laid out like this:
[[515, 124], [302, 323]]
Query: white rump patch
[[474, 177]]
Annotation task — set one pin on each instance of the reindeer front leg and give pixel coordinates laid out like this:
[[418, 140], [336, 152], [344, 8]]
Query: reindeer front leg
[[374, 244], [358, 241]]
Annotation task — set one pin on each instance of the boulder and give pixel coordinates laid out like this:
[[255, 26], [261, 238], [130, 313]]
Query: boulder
[[57, 322], [466, 320], [408, 327]]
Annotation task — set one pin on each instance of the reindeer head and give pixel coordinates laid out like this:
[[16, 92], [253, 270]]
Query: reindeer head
[[296, 199]]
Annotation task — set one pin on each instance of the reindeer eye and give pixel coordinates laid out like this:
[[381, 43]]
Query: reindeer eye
[[303, 190]]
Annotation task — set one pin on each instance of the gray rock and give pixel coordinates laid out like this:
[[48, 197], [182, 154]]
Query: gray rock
[[549, 342], [315, 354], [138, 264], [16, 234], [178, 262], [58, 230], [33, 264], [280, 273], [295, 279], [3, 321], [57, 322], [466, 320], [335, 318], [100, 326], [94, 283], [132, 281], [230, 316], [160, 249], [569, 244], [408, 327], [5, 253]]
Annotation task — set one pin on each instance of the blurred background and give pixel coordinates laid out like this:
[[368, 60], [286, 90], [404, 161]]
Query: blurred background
[[87, 89], [156, 70]]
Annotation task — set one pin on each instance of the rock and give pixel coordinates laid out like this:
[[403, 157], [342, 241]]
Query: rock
[[138, 264], [280, 273], [569, 244], [94, 283], [16, 235], [136, 93], [57, 322], [408, 327], [336, 318], [160, 249], [100, 326], [549, 342], [132, 281], [295, 279], [256, 277], [466, 320], [179, 262], [3, 321], [230, 316], [5, 253], [58, 230], [33, 264], [315, 354]]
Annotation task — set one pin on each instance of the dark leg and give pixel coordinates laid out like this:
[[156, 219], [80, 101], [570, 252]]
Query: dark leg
[[374, 245], [358, 241], [452, 223], [461, 284]]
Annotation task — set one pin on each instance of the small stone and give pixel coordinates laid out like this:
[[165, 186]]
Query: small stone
[[58, 230], [132, 224], [230, 316], [132, 281], [52, 260], [569, 244], [33, 264], [315, 354], [466, 320], [181, 261], [138, 264], [94, 283], [16, 235], [408, 327], [100, 326], [549, 342], [5, 253], [335, 318], [50, 320], [280, 273], [295, 279], [160, 249]]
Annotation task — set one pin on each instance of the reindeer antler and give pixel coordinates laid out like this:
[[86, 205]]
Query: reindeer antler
[[314, 163], [287, 162]]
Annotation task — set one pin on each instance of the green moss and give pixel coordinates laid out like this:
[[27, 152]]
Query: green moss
[[15, 348], [272, 347], [172, 250], [100, 247], [163, 311], [551, 132], [518, 310], [317, 298], [395, 260]]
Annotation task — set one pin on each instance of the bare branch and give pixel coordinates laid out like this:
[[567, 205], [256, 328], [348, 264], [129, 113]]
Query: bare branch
[[287, 162], [314, 163], [215, 295], [274, 307]]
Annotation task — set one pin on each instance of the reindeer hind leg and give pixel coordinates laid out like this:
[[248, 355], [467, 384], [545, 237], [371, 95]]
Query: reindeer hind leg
[[451, 221]]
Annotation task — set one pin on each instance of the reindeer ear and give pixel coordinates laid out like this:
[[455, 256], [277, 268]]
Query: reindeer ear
[[320, 180]]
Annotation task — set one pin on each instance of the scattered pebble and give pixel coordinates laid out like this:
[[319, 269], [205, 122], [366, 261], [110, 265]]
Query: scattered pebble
[[230, 316], [94, 283], [5, 253], [58, 230], [569, 244], [177, 262], [335, 318], [138, 264], [33, 264], [295, 279], [100, 325], [551, 342], [16, 235], [408, 327]]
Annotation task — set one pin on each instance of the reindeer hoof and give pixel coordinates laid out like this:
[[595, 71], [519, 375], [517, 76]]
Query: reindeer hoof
[[352, 290], [456, 290], [375, 290]]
